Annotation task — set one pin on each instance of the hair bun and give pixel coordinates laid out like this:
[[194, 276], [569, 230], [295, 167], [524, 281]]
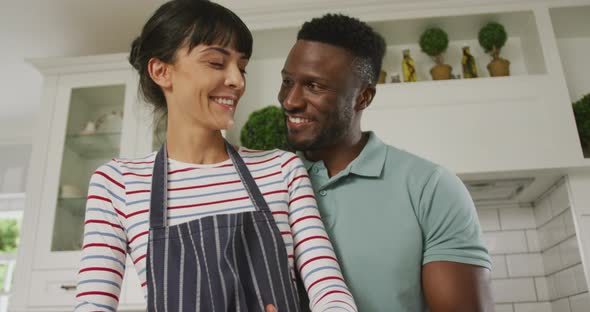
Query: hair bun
[[135, 53]]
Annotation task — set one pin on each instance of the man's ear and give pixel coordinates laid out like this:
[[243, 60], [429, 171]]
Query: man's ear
[[365, 97], [160, 72]]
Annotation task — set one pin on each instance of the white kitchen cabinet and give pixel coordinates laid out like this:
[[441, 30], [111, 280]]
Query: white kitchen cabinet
[[518, 124], [90, 114]]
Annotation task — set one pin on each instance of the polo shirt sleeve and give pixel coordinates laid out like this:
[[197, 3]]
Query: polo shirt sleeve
[[450, 226]]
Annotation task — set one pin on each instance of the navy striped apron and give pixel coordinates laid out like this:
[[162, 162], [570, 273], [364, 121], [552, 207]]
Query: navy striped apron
[[226, 262]]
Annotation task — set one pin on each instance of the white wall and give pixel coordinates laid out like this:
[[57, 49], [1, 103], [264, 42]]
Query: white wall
[[261, 91], [575, 59], [14, 162]]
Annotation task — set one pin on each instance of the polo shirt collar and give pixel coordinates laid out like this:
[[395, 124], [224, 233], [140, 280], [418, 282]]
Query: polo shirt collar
[[369, 163]]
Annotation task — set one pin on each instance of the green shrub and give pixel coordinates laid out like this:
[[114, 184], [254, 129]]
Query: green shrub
[[265, 130], [582, 114], [492, 35], [434, 41], [8, 235]]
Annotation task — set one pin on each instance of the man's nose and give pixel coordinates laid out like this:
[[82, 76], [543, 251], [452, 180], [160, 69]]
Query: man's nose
[[293, 98]]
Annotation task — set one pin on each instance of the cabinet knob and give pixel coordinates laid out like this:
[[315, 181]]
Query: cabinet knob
[[68, 287]]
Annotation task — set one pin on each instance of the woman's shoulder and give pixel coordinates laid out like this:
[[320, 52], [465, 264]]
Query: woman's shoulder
[[122, 165], [262, 154], [278, 155]]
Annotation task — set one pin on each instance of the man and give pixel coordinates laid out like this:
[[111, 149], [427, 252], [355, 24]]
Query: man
[[405, 229]]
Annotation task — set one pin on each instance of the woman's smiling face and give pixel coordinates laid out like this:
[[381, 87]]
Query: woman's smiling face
[[205, 85]]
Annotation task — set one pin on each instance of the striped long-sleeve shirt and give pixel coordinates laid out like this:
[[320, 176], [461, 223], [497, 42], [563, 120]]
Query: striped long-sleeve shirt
[[117, 221]]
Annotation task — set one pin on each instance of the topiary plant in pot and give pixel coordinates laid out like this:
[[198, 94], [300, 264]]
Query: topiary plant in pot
[[265, 129], [582, 114], [492, 38], [434, 42]]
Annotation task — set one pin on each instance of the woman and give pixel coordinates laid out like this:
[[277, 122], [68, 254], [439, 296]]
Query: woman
[[207, 228]]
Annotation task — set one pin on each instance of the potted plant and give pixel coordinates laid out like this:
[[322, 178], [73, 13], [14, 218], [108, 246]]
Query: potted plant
[[265, 129], [492, 38], [434, 42], [582, 115]]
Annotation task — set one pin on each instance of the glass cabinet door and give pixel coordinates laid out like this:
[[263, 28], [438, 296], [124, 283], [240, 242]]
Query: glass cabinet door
[[94, 119], [93, 136]]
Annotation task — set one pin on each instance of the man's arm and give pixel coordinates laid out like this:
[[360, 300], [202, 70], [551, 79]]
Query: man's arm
[[456, 265], [457, 287]]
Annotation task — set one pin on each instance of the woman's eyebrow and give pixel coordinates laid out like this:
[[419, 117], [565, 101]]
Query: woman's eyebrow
[[218, 49]]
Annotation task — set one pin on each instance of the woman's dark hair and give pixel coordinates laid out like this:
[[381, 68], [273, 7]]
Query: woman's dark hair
[[184, 22]]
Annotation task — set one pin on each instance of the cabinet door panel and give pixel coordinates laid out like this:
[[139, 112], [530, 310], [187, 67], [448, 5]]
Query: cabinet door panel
[[91, 125], [53, 288]]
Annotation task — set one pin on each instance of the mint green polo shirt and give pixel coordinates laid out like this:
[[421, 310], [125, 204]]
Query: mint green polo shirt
[[390, 212]]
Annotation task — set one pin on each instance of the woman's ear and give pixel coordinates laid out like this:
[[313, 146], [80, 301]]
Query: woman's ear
[[160, 72], [365, 97]]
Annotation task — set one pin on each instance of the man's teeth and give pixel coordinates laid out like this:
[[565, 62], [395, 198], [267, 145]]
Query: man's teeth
[[224, 101], [297, 120]]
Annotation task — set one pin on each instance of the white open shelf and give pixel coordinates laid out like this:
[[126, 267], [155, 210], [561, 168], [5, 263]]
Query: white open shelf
[[521, 122], [522, 48]]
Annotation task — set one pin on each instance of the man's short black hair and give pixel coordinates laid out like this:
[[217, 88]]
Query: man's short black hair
[[351, 34]]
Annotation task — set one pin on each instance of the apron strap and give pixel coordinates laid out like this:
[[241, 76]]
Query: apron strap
[[249, 183], [159, 192]]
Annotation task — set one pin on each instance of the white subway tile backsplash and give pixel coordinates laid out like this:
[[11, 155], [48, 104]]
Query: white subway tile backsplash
[[488, 219], [506, 242], [568, 222], [552, 233], [499, 269], [514, 290], [543, 211], [551, 286], [533, 307], [535, 256], [562, 305], [503, 308], [542, 289], [570, 253], [525, 265], [552, 260], [532, 238], [559, 199], [580, 303], [565, 283], [517, 218], [581, 284]]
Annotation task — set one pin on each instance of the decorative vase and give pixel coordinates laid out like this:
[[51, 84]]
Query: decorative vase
[[441, 71], [498, 67], [408, 67], [468, 63]]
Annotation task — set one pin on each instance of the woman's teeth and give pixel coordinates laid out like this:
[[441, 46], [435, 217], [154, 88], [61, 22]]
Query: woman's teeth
[[229, 102]]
